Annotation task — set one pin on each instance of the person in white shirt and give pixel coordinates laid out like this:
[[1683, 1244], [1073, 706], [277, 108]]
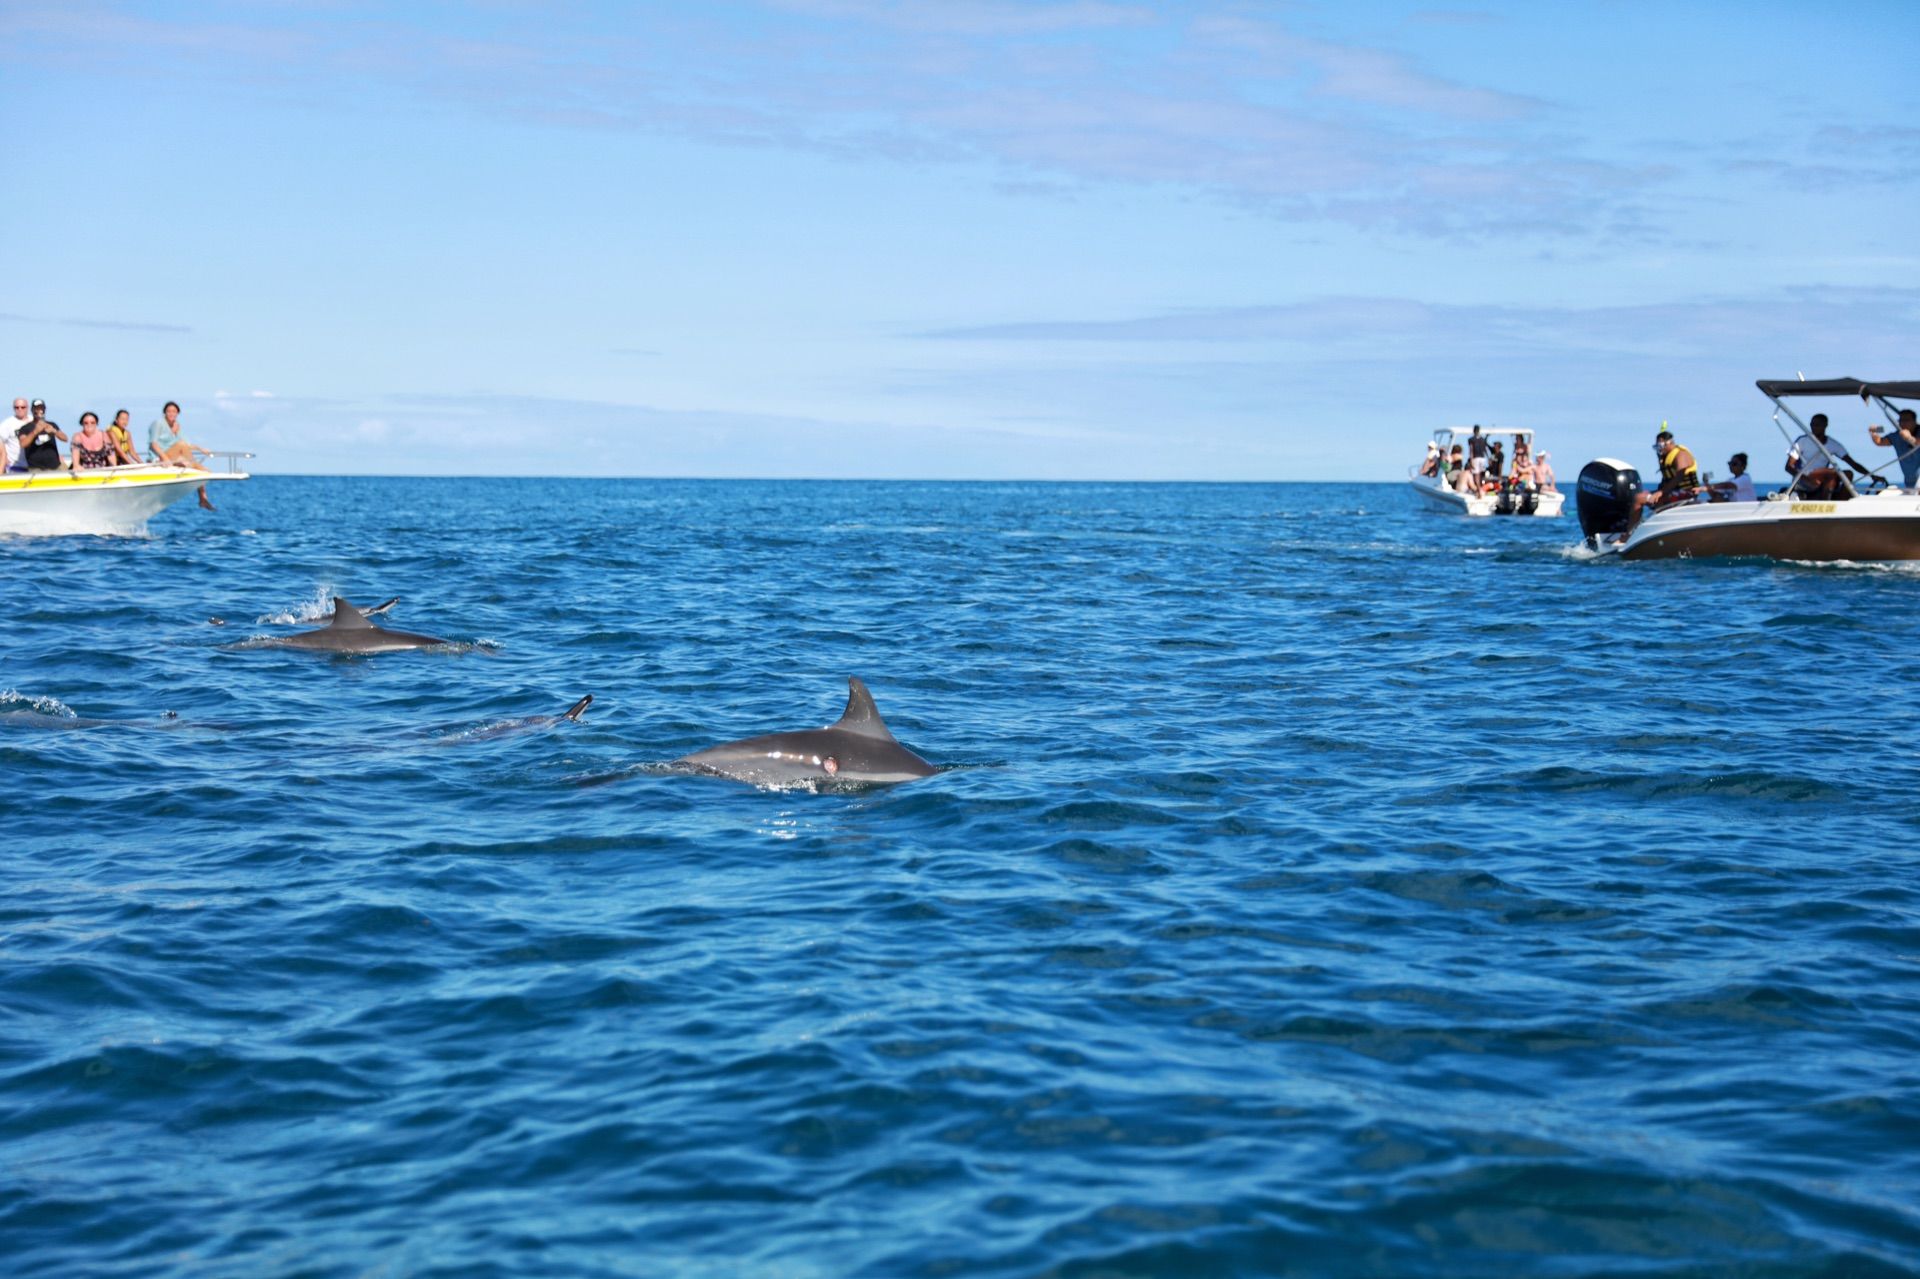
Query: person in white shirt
[[1815, 462], [10, 433], [1737, 489]]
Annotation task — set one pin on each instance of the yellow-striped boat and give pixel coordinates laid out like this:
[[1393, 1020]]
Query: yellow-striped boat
[[106, 500]]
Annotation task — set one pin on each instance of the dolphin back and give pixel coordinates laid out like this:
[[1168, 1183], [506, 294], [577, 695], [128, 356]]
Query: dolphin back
[[859, 747], [351, 632]]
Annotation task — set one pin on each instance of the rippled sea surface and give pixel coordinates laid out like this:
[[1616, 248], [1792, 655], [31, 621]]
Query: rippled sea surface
[[1314, 886]]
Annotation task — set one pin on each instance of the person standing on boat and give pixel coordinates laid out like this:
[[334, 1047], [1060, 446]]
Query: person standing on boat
[[37, 441], [1905, 443], [10, 436], [1477, 451], [1815, 462], [1739, 488], [163, 439]]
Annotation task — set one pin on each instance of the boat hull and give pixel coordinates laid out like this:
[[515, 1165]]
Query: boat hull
[[1441, 497], [109, 501], [1884, 527]]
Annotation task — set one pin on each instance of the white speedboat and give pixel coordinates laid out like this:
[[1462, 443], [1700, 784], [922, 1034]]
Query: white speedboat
[[1871, 521], [109, 500], [1435, 489]]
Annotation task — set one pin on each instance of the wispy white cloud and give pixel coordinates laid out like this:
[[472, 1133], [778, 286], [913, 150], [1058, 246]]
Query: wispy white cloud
[[979, 17], [1872, 322], [82, 322], [1217, 99]]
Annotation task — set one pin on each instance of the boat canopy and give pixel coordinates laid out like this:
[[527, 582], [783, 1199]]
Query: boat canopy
[[1777, 387], [1488, 432]]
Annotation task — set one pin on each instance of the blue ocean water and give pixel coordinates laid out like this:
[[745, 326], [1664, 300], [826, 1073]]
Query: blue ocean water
[[1316, 886]]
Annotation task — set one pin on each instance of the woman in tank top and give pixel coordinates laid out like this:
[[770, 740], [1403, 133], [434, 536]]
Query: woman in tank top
[[91, 447]]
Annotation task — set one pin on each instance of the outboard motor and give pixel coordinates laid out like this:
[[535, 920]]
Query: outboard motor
[[1607, 491]]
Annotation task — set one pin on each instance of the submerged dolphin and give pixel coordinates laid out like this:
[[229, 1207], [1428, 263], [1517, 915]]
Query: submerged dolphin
[[351, 632], [857, 749], [526, 724], [67, 723]]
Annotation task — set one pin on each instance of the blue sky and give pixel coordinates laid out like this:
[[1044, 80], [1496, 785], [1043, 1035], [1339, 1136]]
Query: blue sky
[[1059, 239]]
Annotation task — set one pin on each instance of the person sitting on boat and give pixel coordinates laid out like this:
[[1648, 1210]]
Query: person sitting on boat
[[164, 441], [1461, 478], [91, 447], [1815, 462], [1679, 478], [1431, 467], [37, 441], [1543, 474], [1523, 479], [1905, 443], [10, 437], [1737, 489], [1496, 461], [163, 438], [124, 453]]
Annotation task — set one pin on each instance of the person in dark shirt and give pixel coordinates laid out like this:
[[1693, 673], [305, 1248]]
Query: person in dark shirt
[[38, 447], [1477, 452]]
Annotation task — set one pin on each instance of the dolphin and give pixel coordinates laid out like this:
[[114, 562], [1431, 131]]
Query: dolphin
[[351, 632], [857, 749], [375, 611], [67, 723], [527, 724]]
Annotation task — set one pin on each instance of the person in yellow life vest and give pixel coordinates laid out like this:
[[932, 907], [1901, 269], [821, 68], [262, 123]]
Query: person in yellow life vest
[[1679, 477]]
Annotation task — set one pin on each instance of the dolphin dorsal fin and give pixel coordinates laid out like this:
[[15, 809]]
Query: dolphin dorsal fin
[[348, 618], [861, 715]]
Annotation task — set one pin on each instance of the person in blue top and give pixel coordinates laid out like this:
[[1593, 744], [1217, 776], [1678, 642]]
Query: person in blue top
[[1905, 443], [168, 449]]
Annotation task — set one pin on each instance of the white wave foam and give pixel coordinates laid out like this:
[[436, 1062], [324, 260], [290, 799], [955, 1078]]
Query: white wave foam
[[39, 705], [316, 608]]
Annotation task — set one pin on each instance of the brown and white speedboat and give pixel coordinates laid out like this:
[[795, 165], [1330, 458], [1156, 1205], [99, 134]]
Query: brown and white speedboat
[[1869, 520]]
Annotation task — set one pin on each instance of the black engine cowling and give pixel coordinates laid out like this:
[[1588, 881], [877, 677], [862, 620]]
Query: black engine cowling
[[1606, 495]]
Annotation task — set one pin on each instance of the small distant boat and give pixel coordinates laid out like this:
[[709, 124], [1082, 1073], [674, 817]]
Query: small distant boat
[[1508, 501], [104, 500], [1867, 524]]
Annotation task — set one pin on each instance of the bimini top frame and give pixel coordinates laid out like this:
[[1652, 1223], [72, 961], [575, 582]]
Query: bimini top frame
[[1779, 390]]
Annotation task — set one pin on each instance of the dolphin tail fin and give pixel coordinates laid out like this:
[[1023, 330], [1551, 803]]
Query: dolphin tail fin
[[348, 618], [861, 715], [578, 709], [378, 609]]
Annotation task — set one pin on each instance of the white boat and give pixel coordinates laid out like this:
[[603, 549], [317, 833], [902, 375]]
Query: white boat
[[1435, 489], [1873, 521], [106, 500]]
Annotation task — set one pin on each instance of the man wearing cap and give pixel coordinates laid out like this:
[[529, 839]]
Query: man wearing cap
[[1815, 462], [10, 436], [37, 441]]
